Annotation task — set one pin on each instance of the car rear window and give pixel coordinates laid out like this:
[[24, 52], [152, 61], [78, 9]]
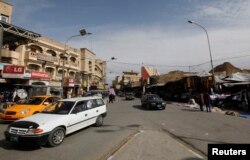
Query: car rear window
[[152, 97]]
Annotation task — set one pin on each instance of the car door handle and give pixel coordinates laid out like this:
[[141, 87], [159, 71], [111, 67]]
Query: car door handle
[[86, 115], [97, 111]]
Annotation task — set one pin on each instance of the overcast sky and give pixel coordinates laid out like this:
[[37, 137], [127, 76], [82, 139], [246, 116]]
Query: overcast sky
[[148, 32]]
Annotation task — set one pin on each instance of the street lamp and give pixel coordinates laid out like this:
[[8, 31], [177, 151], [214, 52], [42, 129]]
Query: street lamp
[[211, 59], [82, 32]]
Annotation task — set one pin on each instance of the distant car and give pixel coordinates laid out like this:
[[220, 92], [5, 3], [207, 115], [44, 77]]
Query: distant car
[[129, 96], [27, 108], [152, 101], [62, 118]]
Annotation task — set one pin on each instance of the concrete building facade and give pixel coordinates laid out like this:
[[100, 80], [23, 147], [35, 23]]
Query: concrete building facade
[[44, 63], [5, 11]]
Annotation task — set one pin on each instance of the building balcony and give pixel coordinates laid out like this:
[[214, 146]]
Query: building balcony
[[31, 56], [41, 57], [73, 65], [10, 54], [58, 77]]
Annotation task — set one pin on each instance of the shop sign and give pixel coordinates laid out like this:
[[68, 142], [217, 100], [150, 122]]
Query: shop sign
[[13, 71], [70, 82], [27, 74], [39, 75]]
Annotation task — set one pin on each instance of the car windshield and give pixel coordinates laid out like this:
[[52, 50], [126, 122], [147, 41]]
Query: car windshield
[[153, 97], [60, 107], [32, 101]]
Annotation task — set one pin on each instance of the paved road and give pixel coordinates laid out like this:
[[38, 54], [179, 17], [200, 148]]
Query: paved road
[[125, 119]]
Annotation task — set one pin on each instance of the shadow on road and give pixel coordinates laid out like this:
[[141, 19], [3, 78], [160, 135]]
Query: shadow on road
[[199, 139], [144, 109], [117, 128], [139, 107], [190, 110], [4, 123], [21, 147]]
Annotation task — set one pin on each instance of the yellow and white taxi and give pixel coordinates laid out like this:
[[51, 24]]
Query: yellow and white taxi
[[27, 108]]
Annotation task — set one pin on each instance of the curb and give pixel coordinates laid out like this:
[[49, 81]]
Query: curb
[[112, 151], [185, 143]]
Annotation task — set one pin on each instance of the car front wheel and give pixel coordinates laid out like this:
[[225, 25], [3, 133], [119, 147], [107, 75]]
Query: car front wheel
[[99, 121], [56, 137]]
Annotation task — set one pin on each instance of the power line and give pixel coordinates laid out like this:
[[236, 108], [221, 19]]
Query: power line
[[221, 59], [140, 64], [177, 66]]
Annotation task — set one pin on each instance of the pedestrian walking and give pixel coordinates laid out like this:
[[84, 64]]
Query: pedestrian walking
[[111, 95], [207, 102]]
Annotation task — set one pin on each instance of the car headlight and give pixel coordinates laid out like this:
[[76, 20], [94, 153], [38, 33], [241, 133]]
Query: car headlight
[[25, 111], [35, 131]]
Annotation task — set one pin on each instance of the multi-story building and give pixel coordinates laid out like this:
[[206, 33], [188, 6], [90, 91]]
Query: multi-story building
[[129, 77], [44, 63], [92, 69], [5, 11]]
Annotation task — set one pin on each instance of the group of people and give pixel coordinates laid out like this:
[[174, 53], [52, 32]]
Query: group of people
[[204, 99], [9, 96]]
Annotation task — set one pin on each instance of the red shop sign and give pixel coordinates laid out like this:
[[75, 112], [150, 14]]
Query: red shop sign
[[39, 75], [13, 71], [71, 80]]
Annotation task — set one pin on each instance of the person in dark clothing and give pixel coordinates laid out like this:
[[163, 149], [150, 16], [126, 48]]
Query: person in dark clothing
[[207, 102], [201, 101], [244, 100]]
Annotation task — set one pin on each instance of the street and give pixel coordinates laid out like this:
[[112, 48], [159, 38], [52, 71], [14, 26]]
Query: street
[[185, 132]]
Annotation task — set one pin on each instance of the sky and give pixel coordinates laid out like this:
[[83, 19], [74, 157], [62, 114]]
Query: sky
[[146, 32]]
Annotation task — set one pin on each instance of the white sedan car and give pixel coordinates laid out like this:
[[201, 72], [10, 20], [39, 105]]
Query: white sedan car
[[56, 121]]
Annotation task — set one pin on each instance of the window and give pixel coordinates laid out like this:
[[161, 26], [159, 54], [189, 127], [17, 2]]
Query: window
[[89, 104], [4, 18], [33, 67], [90, 66], [99, 102], [50, 70], [79, 107], [48, 101], [73, 59]]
